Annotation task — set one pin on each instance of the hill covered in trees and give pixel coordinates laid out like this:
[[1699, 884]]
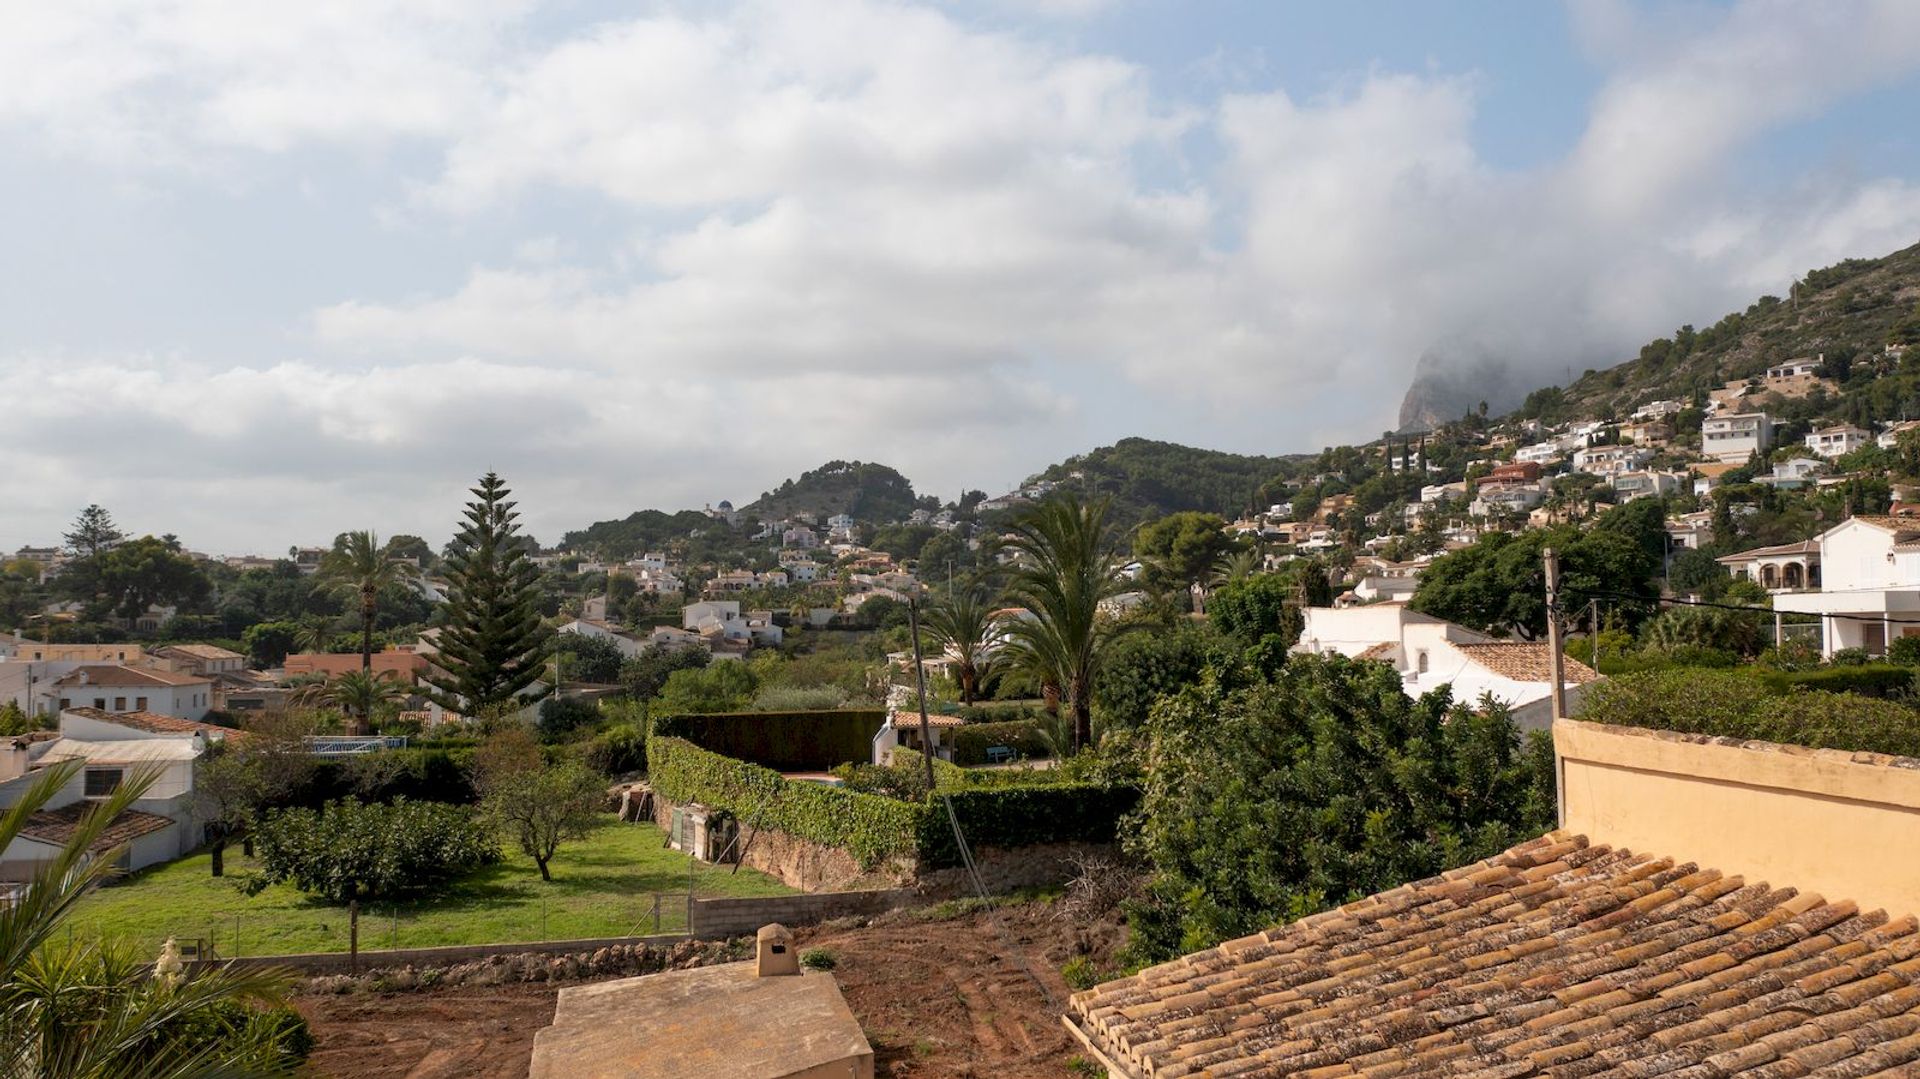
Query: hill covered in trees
[[1848, 313], [1148, 478], [636, 533], [871, 493]]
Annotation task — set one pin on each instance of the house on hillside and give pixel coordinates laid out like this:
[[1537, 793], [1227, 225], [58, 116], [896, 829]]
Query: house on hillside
[[1787, 567], [1651, 433], [1837, 440], [1705, 908], [1628, 486], [1734, 437], [630, 645], [1869, 591], [397, 662], [202, 659], [1796, 473], [1608, 460], [1890, 438], [1430, 652]]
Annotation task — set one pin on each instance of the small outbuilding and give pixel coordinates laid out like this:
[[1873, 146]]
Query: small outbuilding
[[769, 1019]]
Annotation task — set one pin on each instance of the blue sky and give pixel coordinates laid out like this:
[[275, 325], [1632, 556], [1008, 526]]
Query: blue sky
[[275, 272]]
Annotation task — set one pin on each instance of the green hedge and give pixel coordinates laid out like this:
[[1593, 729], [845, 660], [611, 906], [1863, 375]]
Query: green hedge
[[872, 827], [1024, 816], [1873, 680], [424, 775], [971, 741], [787, 741], [1737, 704], [867, 826]]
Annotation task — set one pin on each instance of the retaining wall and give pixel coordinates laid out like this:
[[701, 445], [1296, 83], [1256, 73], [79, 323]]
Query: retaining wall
[[713, 919], [342, 962]]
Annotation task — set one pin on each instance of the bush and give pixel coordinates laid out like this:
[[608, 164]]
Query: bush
[[800, 699], [1851, 657], [561, 716], [970, 743], [617, 750], [350, 849], [1688, 700], [1023, 816], [427, 774], [1728, 704], [1905, 651], [1079, 973], [819, 959]]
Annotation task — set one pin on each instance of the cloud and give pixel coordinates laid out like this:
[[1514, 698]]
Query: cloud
[[738, 239]]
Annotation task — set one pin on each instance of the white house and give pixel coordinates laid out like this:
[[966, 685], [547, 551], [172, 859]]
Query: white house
[[1838, 440], [1791, 474], [804, 570], [1540, 453], [1788, 567], [118, 688], [1870, 585], [1654, 410], [1492, 498], [1429, 653], [1443, 492], [628, 644], [1608, 460], [800, 539], [1631, 485], [1736, 436], [1890, 438]]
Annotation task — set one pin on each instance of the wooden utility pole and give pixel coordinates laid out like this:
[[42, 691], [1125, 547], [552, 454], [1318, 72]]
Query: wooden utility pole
[[1556, 661], [920, 680]]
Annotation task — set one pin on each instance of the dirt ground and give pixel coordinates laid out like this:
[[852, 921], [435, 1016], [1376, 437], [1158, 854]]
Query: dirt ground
[[939, 1000]]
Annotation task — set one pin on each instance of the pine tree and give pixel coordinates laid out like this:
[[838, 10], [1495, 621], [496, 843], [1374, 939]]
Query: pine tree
[[93, 532], [492, 647]]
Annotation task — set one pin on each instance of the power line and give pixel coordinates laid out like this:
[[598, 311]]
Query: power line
[[1676, 601]]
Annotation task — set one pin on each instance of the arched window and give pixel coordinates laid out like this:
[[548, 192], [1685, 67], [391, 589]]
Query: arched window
[[1792, 575]]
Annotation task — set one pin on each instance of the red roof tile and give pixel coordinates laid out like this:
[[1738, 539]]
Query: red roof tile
[[59, 825]]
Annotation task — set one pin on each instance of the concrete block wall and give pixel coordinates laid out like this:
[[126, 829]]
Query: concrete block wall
[[711, 919]]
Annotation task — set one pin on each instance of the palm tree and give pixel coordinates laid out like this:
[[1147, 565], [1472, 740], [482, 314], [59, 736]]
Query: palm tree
[[964, 623], [359, 568], [313, 633], [354, 693], [72, 1008], [1068, 564]]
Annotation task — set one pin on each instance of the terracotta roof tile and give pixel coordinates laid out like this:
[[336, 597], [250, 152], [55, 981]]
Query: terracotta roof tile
[[59, 825], [153, 722], [1525, 661], [1383, 650], [1556, 958], [113, 674]]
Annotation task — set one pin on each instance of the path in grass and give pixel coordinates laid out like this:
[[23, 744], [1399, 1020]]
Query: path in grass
[[602, 887]]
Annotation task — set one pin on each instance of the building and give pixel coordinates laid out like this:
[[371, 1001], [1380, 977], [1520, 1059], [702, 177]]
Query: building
[[1631, 485], [1608, 460], [14, 646], [1788, 567], [1798, 472], [403, 665], [1655, 410], [1890, 438], [1496, 498], [1737, 436], [1430, 652], [201, 659], [1647, 433], [1837, 440], [769, 1019], [1703, 910], [1870, 585], [630, 645], [116, 688]]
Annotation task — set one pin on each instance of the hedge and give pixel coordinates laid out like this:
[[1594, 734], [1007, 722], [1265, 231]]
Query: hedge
[[1735, 704], [872, 827], [1873, 680], [424, 775], [970, 742], [867, 826], [786, 741]]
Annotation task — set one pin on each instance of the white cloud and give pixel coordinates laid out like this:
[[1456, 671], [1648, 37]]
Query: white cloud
[[856, 228]]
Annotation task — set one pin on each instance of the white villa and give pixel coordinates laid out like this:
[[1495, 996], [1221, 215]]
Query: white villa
[[1838, 440], [1736, 436], [1870, 585]]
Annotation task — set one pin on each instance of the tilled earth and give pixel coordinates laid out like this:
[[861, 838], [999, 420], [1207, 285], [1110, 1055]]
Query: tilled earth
[[974, 996]]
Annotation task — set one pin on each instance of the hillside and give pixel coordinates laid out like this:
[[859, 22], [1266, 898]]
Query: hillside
[[1847, 312], [638, 532], [871, 493], [1148, 478]]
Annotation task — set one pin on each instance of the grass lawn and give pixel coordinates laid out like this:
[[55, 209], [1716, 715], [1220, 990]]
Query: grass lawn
[[602, 887]]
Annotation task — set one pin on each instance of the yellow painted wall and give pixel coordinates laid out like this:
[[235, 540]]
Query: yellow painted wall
[[1840, 825]]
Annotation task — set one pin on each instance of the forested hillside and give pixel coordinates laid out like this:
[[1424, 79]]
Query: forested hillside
[[1148, 478], [871, 493]]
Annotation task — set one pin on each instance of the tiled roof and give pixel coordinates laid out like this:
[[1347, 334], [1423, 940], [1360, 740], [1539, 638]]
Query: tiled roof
[[1897, 526], [1383, 650], [1525, 661], [58, 825], [1556, 958], [1804, 547], [113, 674], [152, 722], [199, 651]]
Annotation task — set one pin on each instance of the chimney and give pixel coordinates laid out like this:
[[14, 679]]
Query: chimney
[[774, 953]]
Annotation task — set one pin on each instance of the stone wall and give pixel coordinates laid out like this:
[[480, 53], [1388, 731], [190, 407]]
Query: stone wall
[[713, 919], [341, 962]]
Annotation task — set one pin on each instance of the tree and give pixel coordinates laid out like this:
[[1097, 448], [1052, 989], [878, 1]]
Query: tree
[[75, 1008], [587, 659], [353, 693], [241, 777], [1263, 614], [1276, 800], [491, 649], [646, 674], [267, 643], [359, 569], [93, 534], [138, 574], [964, 623], [717, 687], [1067, 565], [545, 807], [1497, 585], [1181, 550]]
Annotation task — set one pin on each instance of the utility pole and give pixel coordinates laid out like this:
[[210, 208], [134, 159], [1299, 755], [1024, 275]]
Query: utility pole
[[1593, 621], [920, 680], [1556, 660]]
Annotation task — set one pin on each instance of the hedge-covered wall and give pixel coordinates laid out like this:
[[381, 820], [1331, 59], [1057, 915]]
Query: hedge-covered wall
[[1735, 704], [869, 827], [873, 827], [785, 741], [971, 741]]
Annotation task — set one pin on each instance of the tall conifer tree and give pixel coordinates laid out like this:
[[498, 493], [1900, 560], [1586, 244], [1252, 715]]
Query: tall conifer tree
[[492, 647]]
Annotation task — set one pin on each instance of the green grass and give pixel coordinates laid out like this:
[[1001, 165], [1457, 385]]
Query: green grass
[[602, 887]]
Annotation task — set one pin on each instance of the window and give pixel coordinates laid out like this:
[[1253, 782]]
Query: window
[[140, 704], [66, 703], [119, 704], [1422, 661], [100, 703], [102, 782]]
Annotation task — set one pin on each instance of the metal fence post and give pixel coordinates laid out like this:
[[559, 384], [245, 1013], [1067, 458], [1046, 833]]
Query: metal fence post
[[353, 935]]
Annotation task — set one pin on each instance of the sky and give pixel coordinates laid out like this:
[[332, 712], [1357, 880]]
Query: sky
[[274, 271]]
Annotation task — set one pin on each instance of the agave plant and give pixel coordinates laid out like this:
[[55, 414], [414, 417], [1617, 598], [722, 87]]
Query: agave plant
[[78, 1008]]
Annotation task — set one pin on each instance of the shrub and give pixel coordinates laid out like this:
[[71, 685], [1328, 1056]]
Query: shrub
[[561, 716], [617, 750], [1851, 657], [819, 959], [970, 743], [1079, 973], [350, 849], [1689, 700], [800, 699], [1905, 651], [1729, 704], [1871, 680], [786, 741], [1023, 816]]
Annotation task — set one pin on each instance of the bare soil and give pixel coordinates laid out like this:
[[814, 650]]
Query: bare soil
[[961, 998]]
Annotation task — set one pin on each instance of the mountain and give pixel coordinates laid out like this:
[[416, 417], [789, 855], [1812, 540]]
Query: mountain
[[1148, 478], [1846, 313], [638, 532], [871, 493], [1455, 378]]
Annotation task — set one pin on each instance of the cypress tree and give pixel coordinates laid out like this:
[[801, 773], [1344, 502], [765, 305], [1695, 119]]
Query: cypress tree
[[492, 647]]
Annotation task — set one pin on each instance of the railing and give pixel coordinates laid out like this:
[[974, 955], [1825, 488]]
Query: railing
[[348, 745]]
